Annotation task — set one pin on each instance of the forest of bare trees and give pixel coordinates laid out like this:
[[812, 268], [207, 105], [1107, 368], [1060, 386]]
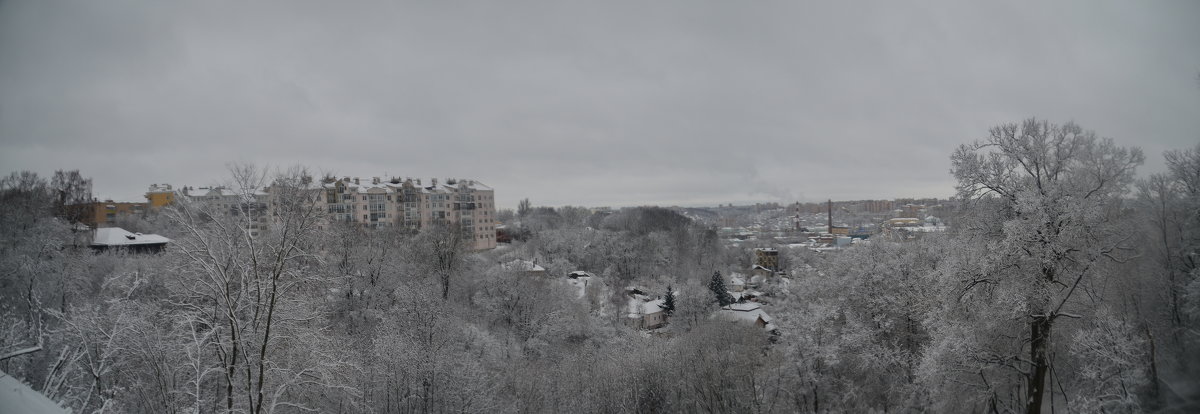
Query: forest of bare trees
[[1065, 282]]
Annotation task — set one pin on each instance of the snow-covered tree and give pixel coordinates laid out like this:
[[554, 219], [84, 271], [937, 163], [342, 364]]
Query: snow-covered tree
[[254, 291], [442, 250], [1113, 361], [1184, 167], [71, 193], [1042, 221], [716, 285], [523, 207], [668, 305]]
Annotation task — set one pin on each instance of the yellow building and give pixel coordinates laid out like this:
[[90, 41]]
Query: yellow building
[[103, 213], [160, 195]]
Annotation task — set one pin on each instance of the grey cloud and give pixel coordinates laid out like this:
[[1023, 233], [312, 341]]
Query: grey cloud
[[592, 103]]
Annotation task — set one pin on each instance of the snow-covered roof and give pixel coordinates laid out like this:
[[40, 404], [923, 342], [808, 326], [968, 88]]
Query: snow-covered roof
[[116, 236], [522, 265], [749, 312], [637, 307], [16, 397], [904, 221], [362, 185], [220, 191], [743, 307], [473, 184], [226, 192]]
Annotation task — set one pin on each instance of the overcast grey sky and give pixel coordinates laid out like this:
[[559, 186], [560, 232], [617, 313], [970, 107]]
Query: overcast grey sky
[[583, 103]]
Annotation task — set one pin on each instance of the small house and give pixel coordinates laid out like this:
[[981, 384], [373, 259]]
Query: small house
[[642, 311], [580, 279], [759, 270], [645, 313], [746, 312], [737, 283]]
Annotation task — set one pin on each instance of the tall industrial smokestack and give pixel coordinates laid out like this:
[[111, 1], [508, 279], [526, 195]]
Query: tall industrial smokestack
[[831, 216], [796, 219]]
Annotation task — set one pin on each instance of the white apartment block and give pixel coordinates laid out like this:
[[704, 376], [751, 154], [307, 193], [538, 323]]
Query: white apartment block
[[225, 202], [377, 202], [468, 204]]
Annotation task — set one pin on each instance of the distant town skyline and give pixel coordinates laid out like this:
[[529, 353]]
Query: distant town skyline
[[201, 189], [594, 104]]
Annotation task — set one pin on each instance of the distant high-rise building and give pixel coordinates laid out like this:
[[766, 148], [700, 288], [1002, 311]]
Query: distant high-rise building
[[466, 204]]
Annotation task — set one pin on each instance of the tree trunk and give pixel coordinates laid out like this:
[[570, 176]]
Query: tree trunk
[[1039, 341], [446, 285], [1153, 390]]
